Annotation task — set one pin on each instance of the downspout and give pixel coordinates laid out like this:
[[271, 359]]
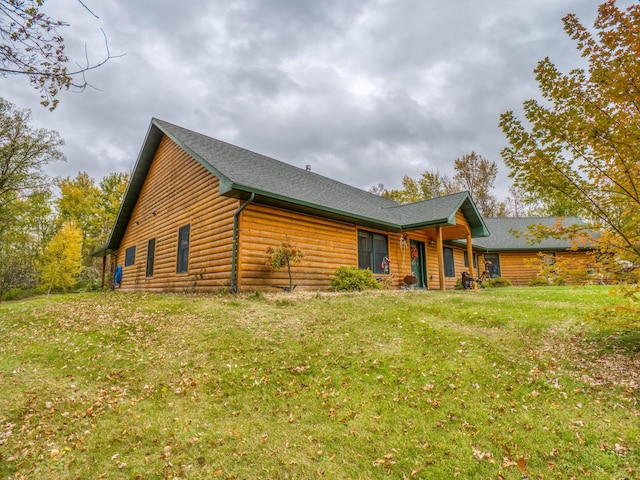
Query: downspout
[[234, 249]]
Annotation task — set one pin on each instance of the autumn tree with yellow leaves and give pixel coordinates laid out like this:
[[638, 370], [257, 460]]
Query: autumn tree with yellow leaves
[[579, 149], [61, 263]]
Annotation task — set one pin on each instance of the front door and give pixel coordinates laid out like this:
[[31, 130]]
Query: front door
[[418, 265]]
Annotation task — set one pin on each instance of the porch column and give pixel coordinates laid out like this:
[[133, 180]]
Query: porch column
[[470, 258], [104, 269], [440, 257]]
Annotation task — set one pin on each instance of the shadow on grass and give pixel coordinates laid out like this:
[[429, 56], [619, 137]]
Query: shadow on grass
[[618, 341]]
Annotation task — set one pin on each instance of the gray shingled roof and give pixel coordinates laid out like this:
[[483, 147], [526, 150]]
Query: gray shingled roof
[[242, 172], [253, 172], [441, 210], [502, 236]]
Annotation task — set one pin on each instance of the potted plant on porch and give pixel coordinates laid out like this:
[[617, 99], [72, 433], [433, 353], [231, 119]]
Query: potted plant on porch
[[410, 279]]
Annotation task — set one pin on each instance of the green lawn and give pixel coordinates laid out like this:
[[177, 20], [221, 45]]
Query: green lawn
[[431, 385]]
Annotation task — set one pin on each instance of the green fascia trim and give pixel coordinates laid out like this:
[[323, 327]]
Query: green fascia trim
[[468, 210], [225, 185], [463, 244], [440, 222], [532, 249], [477, 230], [138, 176], [223, 180], [101, 252], [483, 249]]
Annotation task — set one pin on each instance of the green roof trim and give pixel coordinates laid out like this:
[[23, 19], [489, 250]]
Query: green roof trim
[[242, 172], [138, 176]]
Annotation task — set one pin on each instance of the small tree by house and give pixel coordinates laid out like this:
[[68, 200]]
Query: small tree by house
[[284, 256]]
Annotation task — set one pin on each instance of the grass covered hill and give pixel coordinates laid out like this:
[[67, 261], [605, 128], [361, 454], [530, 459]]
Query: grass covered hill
[[495, 384]]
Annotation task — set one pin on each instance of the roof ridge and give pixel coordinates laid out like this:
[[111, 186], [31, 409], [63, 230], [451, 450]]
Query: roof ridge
[[442, 197]]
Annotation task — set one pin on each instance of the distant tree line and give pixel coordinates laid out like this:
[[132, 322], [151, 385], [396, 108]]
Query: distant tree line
[[47, 235], [474, 174]]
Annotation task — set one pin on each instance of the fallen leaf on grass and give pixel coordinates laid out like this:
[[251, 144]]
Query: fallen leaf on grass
[[522, 464], [480, 455]]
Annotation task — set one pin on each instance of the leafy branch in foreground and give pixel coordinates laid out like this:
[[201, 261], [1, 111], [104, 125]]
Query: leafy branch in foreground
[[34, 47], [580, 154]]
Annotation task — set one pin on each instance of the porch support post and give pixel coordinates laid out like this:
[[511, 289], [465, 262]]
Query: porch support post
[[104, 269], [440, 257], [470, 259]]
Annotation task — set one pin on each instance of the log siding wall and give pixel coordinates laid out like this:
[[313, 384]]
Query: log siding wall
[[326, 245], [520, 267], [179, 191]]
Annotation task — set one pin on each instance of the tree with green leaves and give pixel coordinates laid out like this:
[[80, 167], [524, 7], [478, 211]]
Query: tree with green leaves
[[25, 211], [427, 185], [61, 263], [93, 208], [112, 189], [578, 151], [17, 252], [79, 201], [34, 47], [477, 175], [473, 173], [24, 151]]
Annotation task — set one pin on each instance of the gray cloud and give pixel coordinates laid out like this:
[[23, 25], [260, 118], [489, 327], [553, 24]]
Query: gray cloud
[[364, 92]]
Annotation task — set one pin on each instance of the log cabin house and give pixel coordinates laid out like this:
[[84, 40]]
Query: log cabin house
[[198, 215], [506, 253]]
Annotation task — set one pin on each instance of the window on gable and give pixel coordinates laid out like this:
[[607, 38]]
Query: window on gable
[[130, 256], [183, 249], [449, 266], [151, 255], [372, 250]]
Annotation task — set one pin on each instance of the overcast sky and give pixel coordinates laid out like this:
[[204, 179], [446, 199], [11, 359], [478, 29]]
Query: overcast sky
[[364, 91]]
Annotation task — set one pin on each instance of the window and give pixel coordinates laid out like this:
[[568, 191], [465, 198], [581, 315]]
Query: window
[[549, 259], [151, 255], [466, 260], [449, 267], [130, 256], [183, 249], [372, 250], [492, 264]]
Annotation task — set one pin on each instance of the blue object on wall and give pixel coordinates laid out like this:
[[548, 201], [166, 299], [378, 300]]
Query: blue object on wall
[[117, 276]]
